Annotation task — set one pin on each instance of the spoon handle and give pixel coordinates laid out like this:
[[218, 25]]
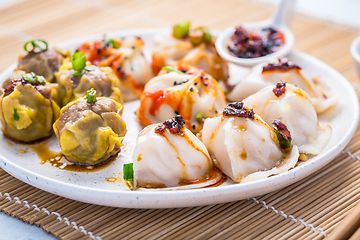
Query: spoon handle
[[283, 13]]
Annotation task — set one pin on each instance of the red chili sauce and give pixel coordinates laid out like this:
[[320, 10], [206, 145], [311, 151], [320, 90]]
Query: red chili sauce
[[245, 44]]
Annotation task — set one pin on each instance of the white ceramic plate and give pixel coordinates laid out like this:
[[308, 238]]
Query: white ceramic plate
[[91, 187]]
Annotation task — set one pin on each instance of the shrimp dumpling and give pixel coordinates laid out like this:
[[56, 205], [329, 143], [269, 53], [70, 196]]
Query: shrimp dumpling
[[169, 155], [244, 147], [183, 90], [294, 107], [266, 75]]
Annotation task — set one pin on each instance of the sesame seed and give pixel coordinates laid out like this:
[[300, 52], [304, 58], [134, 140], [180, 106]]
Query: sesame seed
[[176, 112], [175, 83], [193, 126], [195, 83], [133, 47], [98, 51], [191, 89], [205, 84]]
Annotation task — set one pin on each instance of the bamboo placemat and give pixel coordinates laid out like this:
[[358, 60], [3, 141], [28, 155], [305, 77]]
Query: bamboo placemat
[[308, 209]]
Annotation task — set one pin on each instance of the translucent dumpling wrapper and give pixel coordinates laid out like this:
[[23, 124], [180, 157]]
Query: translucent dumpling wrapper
[[244, 147], [27, 111], [126, 59], [187, 91], [70, 87], [295, 109], [264, 75], [44, 63], [90, 133], [168, 155], [169, 51]]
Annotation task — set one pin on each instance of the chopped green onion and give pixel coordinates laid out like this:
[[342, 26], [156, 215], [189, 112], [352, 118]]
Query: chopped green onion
[[111, 41], [282, 141], [91, 95], [78, 61], [16, 116], [34, 44], [199, 117], [207, 37], [33, 78], [196, 37], [128, 172], [171, 69], [181, 30]]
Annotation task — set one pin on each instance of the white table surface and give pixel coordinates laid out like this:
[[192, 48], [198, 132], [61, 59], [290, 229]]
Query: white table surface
[[341, 11]]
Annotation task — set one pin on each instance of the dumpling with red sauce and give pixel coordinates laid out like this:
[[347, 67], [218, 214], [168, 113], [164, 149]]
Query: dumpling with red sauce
[[167, 155], [183, 90], [127, 60]]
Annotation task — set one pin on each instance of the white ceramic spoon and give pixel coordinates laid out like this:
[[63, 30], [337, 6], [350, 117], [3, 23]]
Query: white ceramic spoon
[[276, 22]]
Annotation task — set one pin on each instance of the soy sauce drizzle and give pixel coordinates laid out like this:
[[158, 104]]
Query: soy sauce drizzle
[[56, 159]]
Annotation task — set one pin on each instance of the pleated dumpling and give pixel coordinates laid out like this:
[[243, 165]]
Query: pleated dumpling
[[126, 58], [183, 90], [193, 46], [169, 155], [244, 147], [295, 109], [266, 75]]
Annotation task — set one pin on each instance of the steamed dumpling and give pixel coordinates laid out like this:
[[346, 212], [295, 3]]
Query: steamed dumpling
[[27, 111], [126, 59], [293, 105], [90, 133], [44, 63], [244, 147], [185, 90], [169, 50], [169, 155], [265, 75], [70, 87]]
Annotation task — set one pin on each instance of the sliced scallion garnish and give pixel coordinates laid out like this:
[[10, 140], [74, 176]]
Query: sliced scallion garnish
[[35, 44], [91, 96], [33, 78], [282, 141], [78, 61], [171, 69], [16, 115], [199, 117], [112, 42], [181, 30], [128, 172]]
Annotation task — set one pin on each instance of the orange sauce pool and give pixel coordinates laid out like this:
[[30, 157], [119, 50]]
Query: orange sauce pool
[[46, 155]]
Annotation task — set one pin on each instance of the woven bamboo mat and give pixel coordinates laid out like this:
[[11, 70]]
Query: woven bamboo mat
[[308, 209]]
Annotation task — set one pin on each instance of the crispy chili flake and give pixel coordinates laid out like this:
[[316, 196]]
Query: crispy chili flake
[[283, 65], [237, 109], [279, 89], [20, 81], [245, 44], [283, 134], [174, 125]]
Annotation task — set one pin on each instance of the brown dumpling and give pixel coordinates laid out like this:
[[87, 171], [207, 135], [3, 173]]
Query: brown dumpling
[[90, 133]]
